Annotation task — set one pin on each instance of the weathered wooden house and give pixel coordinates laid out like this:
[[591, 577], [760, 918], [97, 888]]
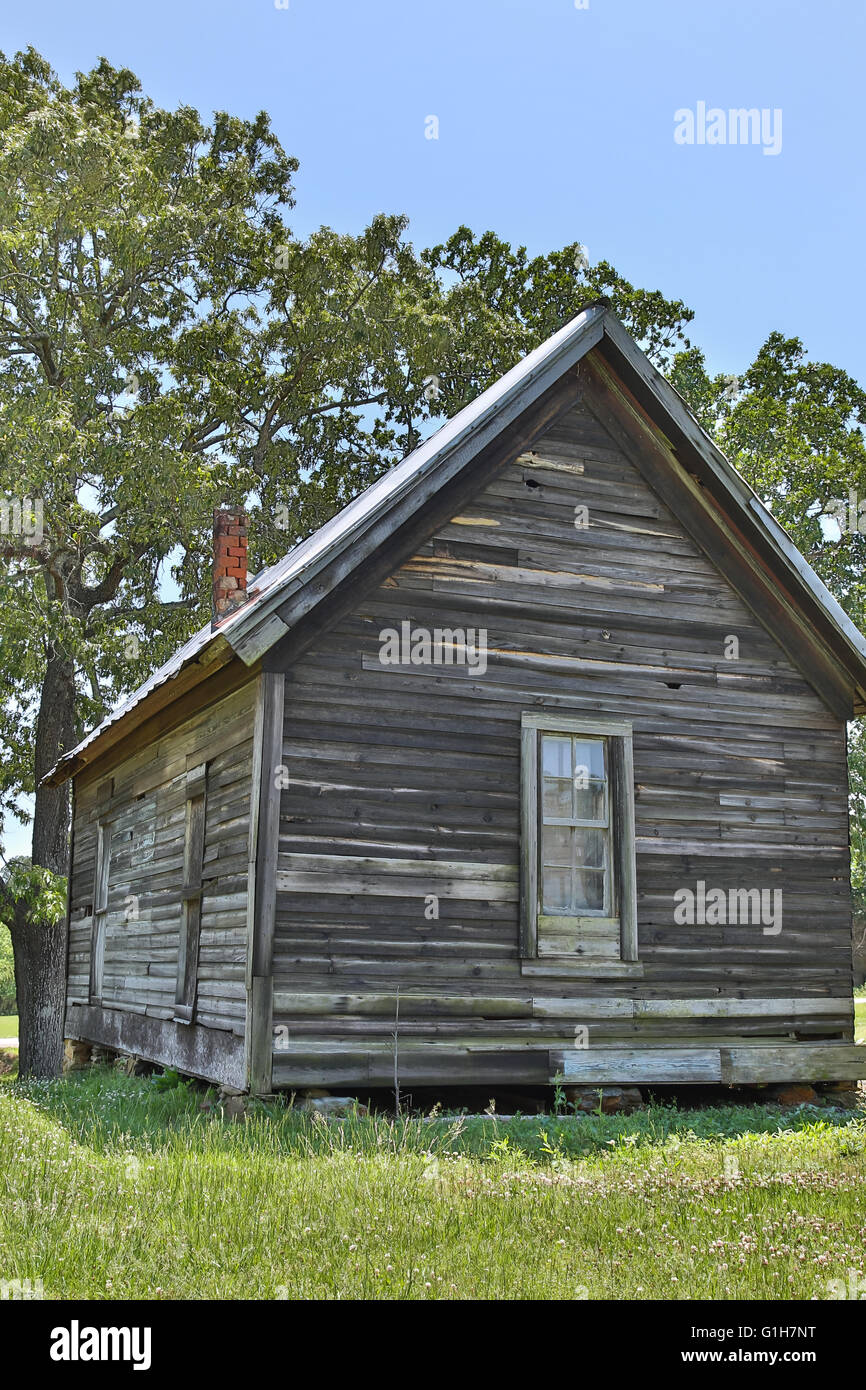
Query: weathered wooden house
[[530, 762]]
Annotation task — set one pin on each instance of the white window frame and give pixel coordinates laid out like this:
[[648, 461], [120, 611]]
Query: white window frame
[[569, 937]]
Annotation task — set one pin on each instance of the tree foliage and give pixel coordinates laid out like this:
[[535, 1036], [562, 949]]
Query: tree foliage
[[43, 891], [794, 429], [129, 245], [167, 343], [7, 971]]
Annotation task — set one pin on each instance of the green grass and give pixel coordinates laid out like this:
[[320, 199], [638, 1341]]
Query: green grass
[[8, 1025], [860, 1019], [110, 1188]]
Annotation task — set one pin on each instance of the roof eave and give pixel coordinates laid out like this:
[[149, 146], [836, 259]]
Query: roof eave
[[138, 708]]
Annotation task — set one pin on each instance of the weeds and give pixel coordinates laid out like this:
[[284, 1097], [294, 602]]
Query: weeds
[[112, 1187]]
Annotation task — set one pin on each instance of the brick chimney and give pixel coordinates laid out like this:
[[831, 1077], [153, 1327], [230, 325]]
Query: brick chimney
[[229, 561]]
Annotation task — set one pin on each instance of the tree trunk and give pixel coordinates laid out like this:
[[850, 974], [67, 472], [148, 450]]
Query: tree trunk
[[40, 947], [40, 984], [55, 733]]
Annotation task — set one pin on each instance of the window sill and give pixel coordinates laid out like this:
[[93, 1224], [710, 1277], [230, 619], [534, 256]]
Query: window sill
[[558, 966]]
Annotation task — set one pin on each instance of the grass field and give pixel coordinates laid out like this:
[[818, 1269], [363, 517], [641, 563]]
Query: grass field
[[111, 1188], [8, 1025]]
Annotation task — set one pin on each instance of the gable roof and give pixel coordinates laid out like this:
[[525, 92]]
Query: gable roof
[[366, 523]]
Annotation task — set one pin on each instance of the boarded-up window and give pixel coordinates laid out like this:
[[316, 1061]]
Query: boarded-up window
[[190, 918], [578, 888], [100, 910]]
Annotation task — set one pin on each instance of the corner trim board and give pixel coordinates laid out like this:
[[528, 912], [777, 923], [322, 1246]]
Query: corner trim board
[[265, 824]]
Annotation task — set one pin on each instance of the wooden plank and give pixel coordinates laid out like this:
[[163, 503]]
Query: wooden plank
[[737, 1065], [742, 1008], [577, 970], [328, 1004], [260, 1034], [253, 1018], [209, 1053], [191, 908], [794, 1062], [619, 1066], [100, 905], [624, 833], [580, 944], [270, 760], [583, 1009], [431, 1066]]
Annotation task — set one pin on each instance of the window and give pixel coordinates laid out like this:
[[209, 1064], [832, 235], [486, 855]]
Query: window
[[100, 910], [190, 918], [578, 883]]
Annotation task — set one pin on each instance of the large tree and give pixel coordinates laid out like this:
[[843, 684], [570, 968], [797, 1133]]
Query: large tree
[[165, 343], [794, 429]]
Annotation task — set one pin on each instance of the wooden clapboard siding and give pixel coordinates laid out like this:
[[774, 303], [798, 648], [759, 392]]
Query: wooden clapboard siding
[[145, 800], [405, 783], [761, 1063]]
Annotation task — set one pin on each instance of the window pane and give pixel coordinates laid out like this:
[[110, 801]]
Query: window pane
[[589, 890], [590, 849], [589, 800], [589, 754], [556, 846], [557, 800], [556, 756], [556, 890], [574, 860]]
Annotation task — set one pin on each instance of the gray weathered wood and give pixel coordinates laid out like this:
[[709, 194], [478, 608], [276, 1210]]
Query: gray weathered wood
[[269, 760], [615, 1066]]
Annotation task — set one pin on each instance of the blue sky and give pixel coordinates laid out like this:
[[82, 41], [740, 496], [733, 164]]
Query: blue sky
[[556, 124]]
